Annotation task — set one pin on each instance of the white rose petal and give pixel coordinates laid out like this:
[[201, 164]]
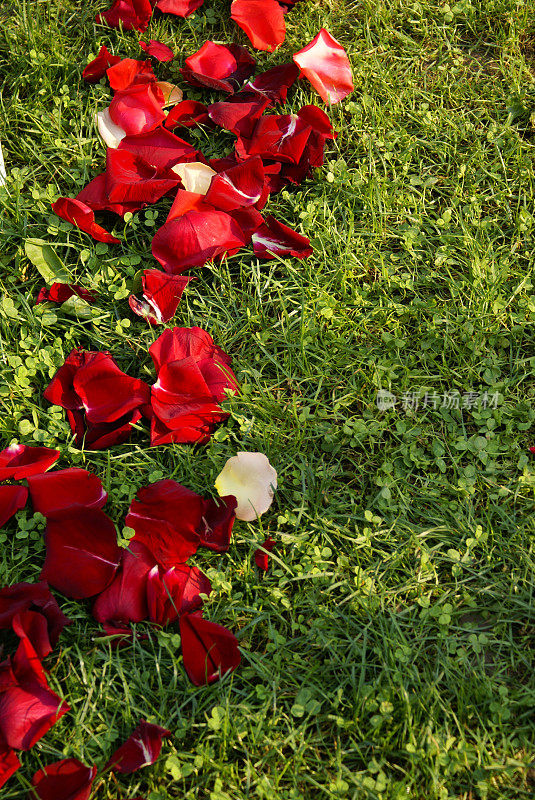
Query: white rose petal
[[252, 480], [196, 177], [111, 133]]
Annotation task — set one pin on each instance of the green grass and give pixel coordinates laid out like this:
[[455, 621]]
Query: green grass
[[388, 653]]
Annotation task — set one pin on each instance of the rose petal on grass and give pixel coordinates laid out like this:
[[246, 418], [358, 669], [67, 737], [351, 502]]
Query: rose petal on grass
[[251, 479], [209, 650], [9, 763], [194, 239], [130, 179], [160, 148], [262, 21], [158, 50], [127, 14], [125, 599], [20, 597], [82, 217], [326, 65], [67, 779], [161, 296], [96, 69], [218, 66], [141, 749], [216, 523], [181, 8], [20, 461], [106, 392], [174, 592], [61, 292], [66, 488], [130, 71], [275, 239], [241, 186], [137, 109], [261, 557], [12, 499], [187, 114]]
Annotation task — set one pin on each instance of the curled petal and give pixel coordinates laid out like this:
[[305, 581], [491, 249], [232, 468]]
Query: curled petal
[[261, 557], [195, 176], [80, 215], [209, 650], [326, 65], [60, 292], [130, 179], [125, 599], [129, 71], [157, 50], [187, 114], [68, 779], [239, 187], [20, 597], [252, 480], [275, 82], [21, 461], [187, 201], [181, 8], [82, 555], [161, 296], [160, 148], [140, 749], [275, 239], [239, 112], [107, 393], [280, 137], [216, 523], [218, 66], [96, 69], [174, 592], [262, 21]]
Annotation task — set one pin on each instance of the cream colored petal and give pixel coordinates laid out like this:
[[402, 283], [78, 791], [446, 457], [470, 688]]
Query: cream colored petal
[[196, 177], [172, 94], [252, 480], [111, 133]]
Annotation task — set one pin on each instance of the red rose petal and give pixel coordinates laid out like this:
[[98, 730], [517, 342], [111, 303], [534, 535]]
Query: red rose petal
[[95, 196], [187, 113], [12, 499], [239, 113], [61, 292], [9, 763], [262, 21], [240, 186], [129, 71], [66, 488], [21, 461], [326, 65], [181, 8], [79, 214], [161, 296], [275, 82], [157, 50], [129, 178], [82, 554], [175, 592], [96, 69], [127, 14], [20, 597], [261, 558], [217, 521], [33, 626], [209, 650], [106, 392], [159, 147], [67, 779], [281, 137], [218, 66], [275, 239], [125, 599], [138, 109], [140, 749]]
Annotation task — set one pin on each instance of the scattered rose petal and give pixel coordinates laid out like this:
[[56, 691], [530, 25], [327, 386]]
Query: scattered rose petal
[[67, 779], [240, 186], [21, 597], [9, 763], [161, 296], [275, 82], [216, 523], [82, 554], [125, 599], [61, 292], [187, 201], [239, 112], [127, 14], [262, 558], [107, 393], [80, 215], [262, 21], [140, 749], [275, 239], [281, 137], [66, 488], [181, 8], [94, 195], [209, 650], [130, 179], [174, 592], [157, 50], [160, 148], [187, 114], [194, 239], [252, 480], [137, 109], [28, 708], [326, 65], [172, 94], [129, 71], [218, 66], [96, 69], [21, 461], [12, 499], [32, 625]]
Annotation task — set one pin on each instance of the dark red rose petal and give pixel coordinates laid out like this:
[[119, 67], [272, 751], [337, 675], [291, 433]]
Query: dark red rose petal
[[21, 461], [239, 113], [33, 626], [326, 65], [181, 8], [101, 435], [28, 708], [60, 292], [161, 296], [194, 239], [175, 592], [66, 488], [177, 343], [187, 113], [129, 178], [96, 69], [262, 21], [160, 148], [216, 524], [140, 749], [138, 109], [12, 499], [20, 597], [128, 14], [165, 517], [107, 393], [218, 66], [280, 137], [79, 214], [209, 650], [157, 50], [261, 558], [275, 82], [194, 429], [60, 391], [9, 763], [125, 599], [82, 554], [275, 239], [129, 71], [68, 779]]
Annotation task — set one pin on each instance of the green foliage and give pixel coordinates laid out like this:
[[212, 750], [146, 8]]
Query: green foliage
[[388, 652]]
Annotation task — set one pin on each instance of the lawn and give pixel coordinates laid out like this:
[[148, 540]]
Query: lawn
[[388, 652]]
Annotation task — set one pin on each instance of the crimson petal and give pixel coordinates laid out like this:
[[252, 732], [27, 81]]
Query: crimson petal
[[96, 69], [239, 112], [161, 296], [275, 82], [33, 626], [129, 178], [165, 517], [20, 597], [129, 71], [175, 592], [138, 109], [79, 214], [66, 488], [326, 65], [140, 749], [187, 113], [95, 196], [217, 521], [209, 650], [60, 292], [194, 239], [124, 600], [159, 147], [28, 708], [12, 499], [82, 555], [275, 239], [262, 21], [9, 763], [281, 137], [128, 14], [261, 558], [106, 392], [67, 779], [218, 66], [181, 8], [157, 50], [240, 186], [21, 461]]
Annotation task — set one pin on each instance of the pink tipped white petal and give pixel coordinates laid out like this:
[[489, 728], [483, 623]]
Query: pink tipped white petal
[[326, 65], [252, 480]]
